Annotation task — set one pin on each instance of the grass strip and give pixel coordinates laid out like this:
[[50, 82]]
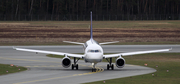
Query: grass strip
[[120, 43], [7, 69], [166, 64]]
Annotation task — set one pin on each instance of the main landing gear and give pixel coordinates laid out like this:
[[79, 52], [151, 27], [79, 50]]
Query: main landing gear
[[75, 65], [110, 65]]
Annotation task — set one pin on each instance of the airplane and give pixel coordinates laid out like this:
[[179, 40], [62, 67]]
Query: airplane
[[93, 53]]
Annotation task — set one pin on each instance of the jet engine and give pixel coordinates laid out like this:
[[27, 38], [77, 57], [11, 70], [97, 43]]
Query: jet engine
[[66, 62], [120, 62]]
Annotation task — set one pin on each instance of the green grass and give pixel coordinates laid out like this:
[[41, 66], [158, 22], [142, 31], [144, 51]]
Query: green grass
[[62, 43], [164, 61], [159, 24], [33, 43], [106, 24], [11, 69], [113, 24]]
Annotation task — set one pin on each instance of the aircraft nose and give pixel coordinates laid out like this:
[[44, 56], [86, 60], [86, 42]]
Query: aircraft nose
[[94, 56]]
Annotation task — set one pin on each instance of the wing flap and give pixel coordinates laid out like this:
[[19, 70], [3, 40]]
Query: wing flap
[[50, 52]]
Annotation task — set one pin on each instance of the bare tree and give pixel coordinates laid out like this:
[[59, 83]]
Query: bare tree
[[53, 9], [17, 7], [145, 7], [31, 7], [77, 6], [107, 6], [73, 7], [47, 6], [85, 6]]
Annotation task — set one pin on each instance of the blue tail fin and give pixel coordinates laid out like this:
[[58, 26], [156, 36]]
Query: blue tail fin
[[91, 33]]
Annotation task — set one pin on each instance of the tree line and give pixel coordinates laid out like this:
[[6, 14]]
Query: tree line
[[15, 8]]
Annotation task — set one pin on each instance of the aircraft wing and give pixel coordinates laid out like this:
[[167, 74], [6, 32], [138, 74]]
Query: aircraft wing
[[50, 52], [135, 53]]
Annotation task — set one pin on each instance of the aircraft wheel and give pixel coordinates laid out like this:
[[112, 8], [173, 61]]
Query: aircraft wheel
[[93, 70], [107, 66], [76, 66], [72, 66], [112, 66]]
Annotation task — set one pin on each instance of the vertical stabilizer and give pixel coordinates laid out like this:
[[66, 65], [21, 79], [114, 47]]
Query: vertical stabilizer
[[91, 33]]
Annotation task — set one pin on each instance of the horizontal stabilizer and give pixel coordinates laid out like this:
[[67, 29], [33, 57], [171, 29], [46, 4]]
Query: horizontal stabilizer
[[73, 42], [108, 42]]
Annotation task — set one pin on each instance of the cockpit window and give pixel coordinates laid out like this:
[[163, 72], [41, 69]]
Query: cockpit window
[[94, 51]]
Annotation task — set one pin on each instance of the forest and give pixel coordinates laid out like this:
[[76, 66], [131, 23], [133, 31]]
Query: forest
[[80, 9]]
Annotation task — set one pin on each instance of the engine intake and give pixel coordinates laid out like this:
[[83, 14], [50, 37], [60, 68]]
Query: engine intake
[[66, 62], [120, 62]]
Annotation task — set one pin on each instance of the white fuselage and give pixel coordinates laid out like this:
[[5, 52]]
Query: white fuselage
[[93, 52]]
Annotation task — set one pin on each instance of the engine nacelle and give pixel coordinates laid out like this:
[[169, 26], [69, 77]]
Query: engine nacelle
[[120, 62], [66, 62]]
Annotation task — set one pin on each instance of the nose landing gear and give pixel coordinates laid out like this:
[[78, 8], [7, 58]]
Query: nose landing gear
[[94, 68]]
